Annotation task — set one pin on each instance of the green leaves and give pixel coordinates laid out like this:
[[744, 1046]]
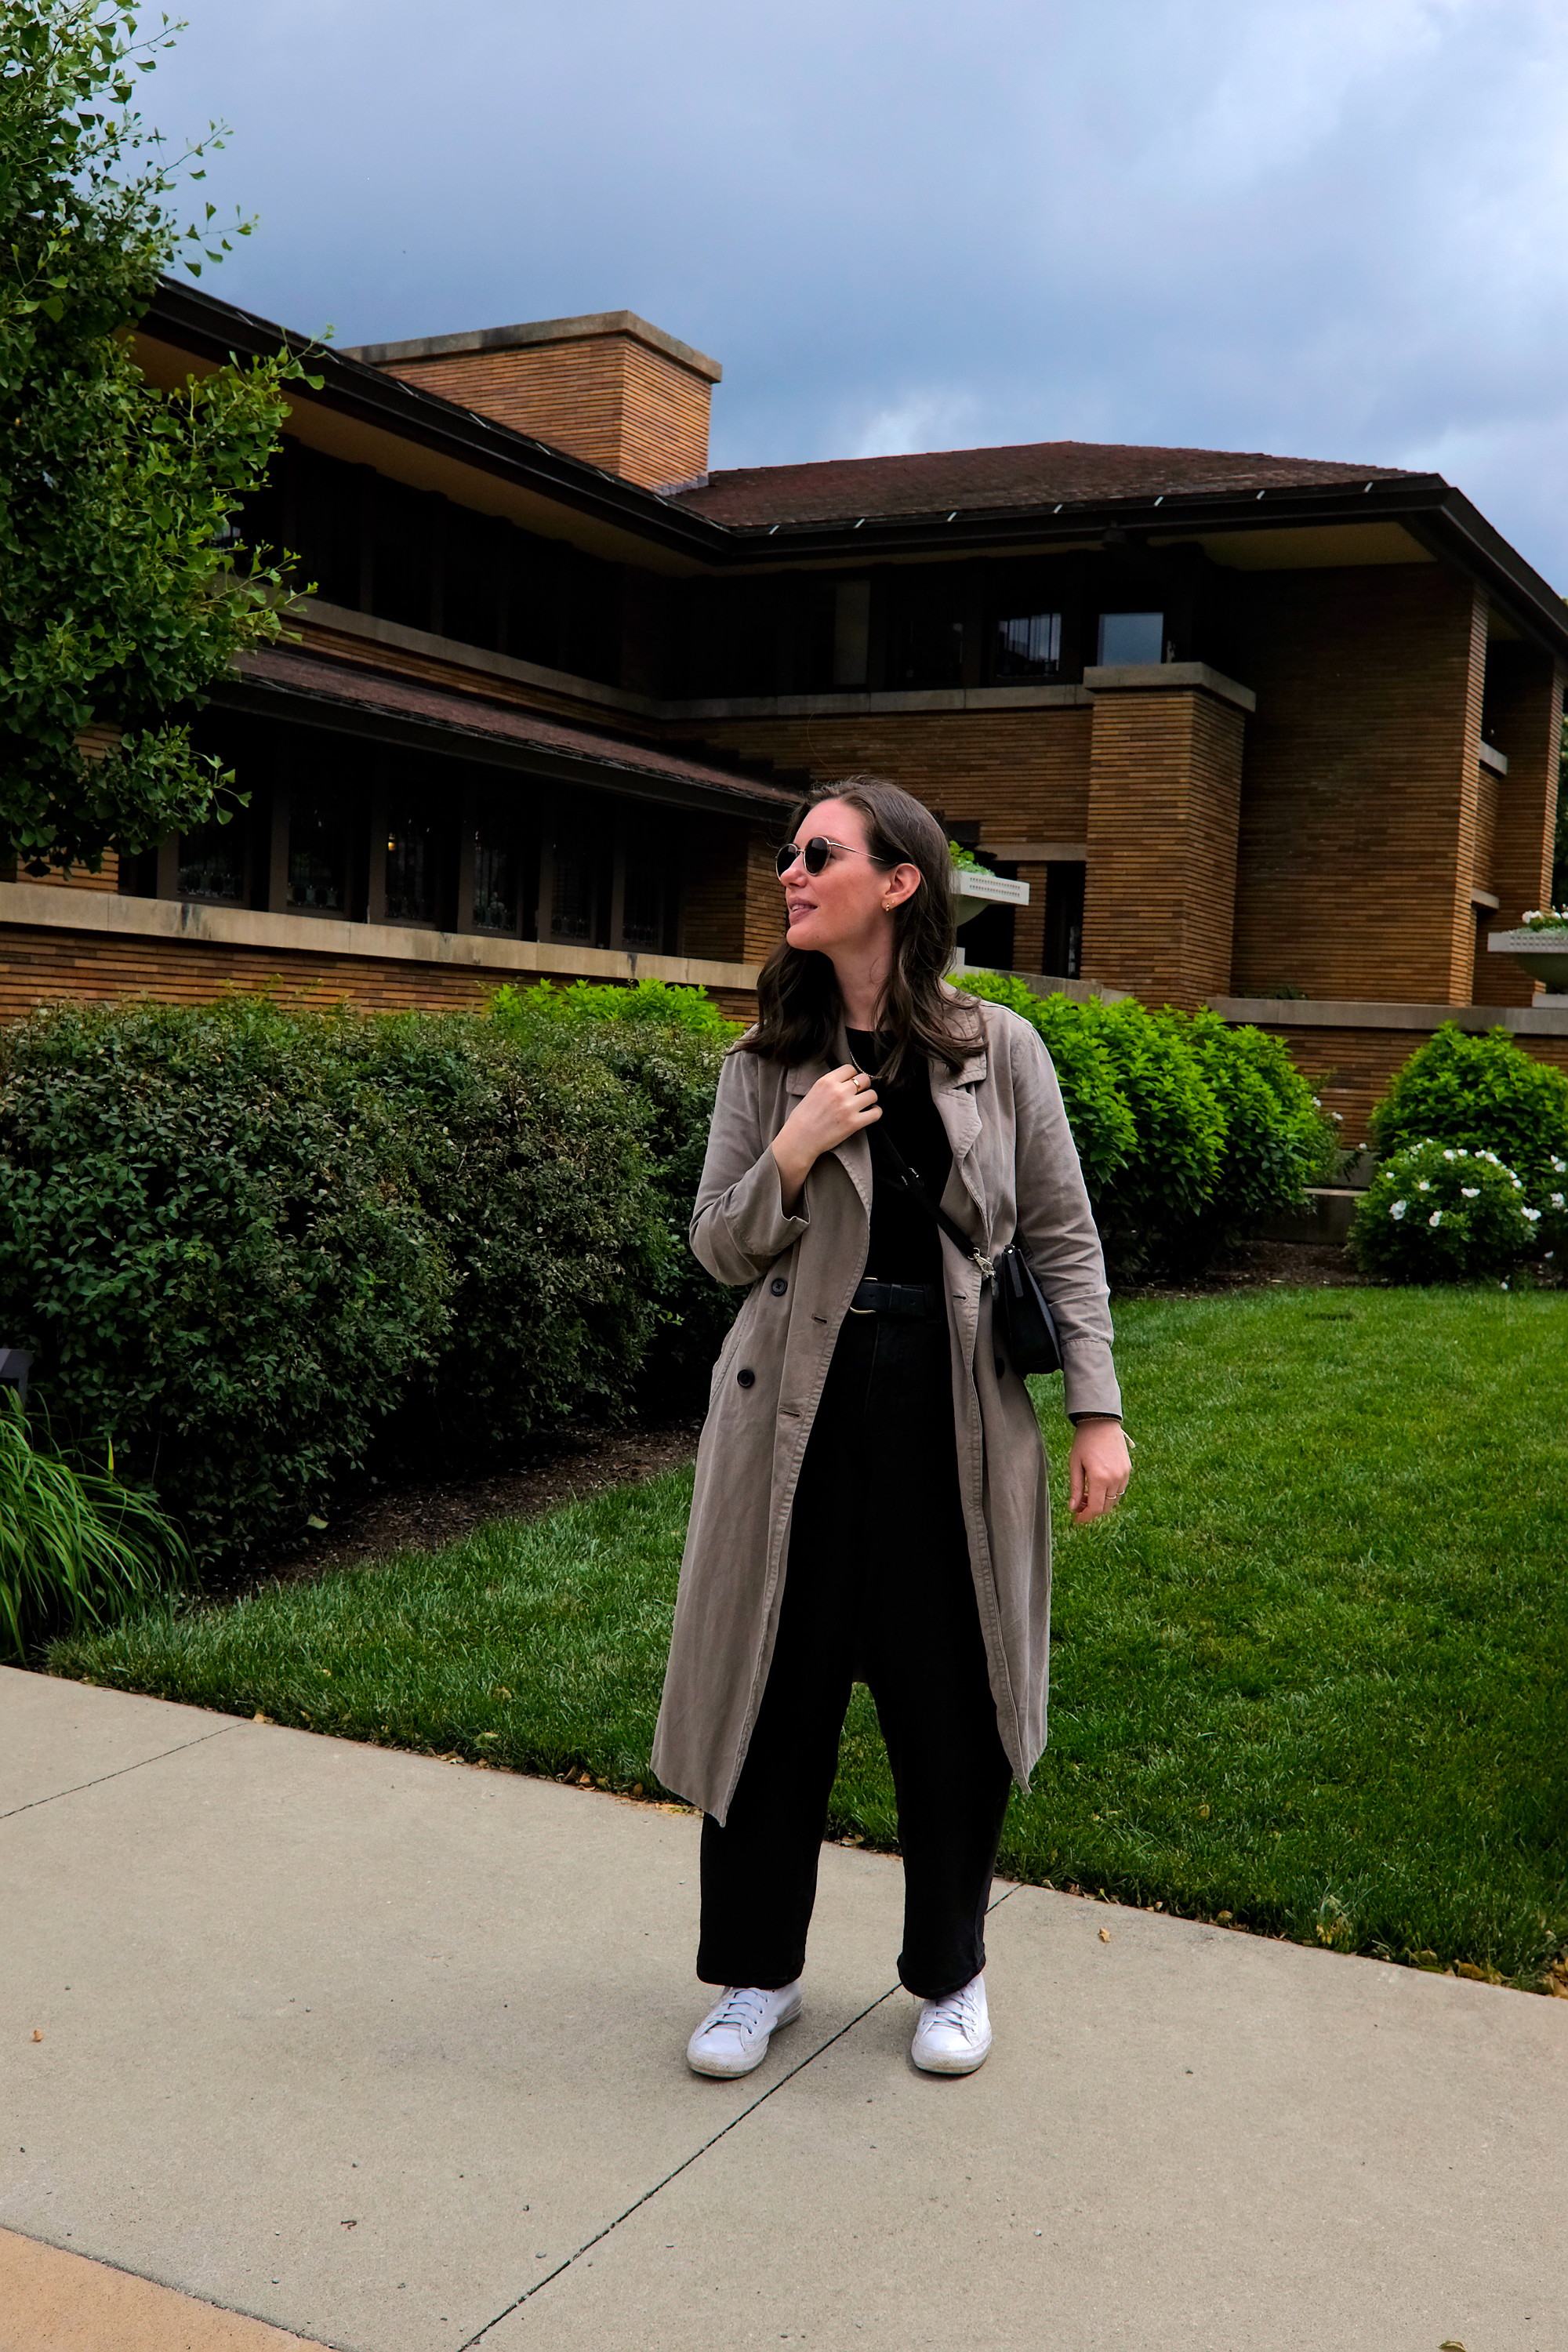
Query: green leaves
[[117, 603], [77, 1548], [242, 1242], [1190, 1132]]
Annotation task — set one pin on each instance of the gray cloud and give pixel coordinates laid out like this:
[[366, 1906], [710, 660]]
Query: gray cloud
[[1321, 227]]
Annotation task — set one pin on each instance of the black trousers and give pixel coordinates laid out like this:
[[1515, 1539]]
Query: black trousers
[[878, 1589]]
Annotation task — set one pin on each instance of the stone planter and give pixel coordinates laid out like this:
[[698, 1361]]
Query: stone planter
[[1543, 954], [974, 891]]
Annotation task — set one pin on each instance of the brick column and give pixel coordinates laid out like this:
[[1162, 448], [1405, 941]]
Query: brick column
[[1524, 704], [1164, 805], [731, 909]]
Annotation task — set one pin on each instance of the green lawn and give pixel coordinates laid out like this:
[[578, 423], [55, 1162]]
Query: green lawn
[[1312, 1676]]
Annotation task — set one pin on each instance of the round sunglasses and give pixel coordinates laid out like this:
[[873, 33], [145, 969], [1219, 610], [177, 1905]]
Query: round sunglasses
[[815, 853]]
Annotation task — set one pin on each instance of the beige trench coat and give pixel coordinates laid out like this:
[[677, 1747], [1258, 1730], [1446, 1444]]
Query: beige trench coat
[[1015, 1172]]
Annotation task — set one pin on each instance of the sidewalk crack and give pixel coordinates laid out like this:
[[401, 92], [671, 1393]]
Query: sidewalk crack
[[687, 2162], [676, 2170], [118, 1774]]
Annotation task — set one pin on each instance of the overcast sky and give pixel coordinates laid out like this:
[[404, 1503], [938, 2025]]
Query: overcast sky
[[1327, 228]]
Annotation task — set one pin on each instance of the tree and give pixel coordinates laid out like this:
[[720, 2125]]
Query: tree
[[124, 590]]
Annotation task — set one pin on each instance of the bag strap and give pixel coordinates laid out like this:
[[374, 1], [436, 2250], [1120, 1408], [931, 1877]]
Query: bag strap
[[909, 1181]]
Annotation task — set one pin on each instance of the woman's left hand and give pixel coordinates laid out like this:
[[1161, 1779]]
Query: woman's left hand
[[1098, 1470]]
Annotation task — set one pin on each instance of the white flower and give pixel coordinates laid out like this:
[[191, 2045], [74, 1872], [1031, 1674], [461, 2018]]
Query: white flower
[[1397, 1210], [1435, 1218], [1533, 1214], [1317, 1102], [1422, 1185], [1560, 1167], [1450, 1155], [1516, 1183], [1557, 1200], [1471, 1192]]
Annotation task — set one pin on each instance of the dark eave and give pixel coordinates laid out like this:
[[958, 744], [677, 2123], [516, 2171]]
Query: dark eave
[[305, 689], [196, 322], [1436, 514]]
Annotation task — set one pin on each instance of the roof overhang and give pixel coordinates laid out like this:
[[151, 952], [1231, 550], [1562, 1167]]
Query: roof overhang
[[376, 706], [362, 414]]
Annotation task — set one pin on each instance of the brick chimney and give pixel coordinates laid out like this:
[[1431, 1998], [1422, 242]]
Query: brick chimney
[[609, 388]]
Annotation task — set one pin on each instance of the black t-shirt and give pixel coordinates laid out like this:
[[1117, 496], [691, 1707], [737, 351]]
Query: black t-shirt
[[905, 1244]]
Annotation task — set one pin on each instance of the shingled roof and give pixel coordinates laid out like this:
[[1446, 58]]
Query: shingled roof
[[1032, 474]]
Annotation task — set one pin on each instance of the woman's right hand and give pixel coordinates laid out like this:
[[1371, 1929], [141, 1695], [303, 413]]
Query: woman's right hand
[[840, 1104]]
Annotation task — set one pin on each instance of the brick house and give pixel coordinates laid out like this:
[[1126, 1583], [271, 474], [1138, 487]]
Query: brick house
[[1275, 734]]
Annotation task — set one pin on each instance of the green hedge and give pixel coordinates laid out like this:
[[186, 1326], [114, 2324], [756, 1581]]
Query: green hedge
[[239, 1241], [666, 1044], [1192, 1133]]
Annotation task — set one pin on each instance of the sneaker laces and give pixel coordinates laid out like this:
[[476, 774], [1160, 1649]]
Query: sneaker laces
[[956, 2010], [744, 2007]]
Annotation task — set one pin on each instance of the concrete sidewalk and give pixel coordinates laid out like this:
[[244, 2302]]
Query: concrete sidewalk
[[387, 2052]]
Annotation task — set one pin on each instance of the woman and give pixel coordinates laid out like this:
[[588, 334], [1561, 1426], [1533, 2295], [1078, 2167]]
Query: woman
[[871, 1498]]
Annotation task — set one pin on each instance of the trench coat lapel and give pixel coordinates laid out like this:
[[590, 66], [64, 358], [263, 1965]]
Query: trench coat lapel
[[954, 1092]]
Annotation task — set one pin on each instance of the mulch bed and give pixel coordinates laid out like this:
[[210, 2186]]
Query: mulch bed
[[422, 1514], [575, 1462]]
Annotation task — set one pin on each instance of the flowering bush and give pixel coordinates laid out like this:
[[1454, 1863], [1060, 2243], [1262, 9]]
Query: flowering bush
[[1544, 919], [1486, 1093], [1437, 1213]]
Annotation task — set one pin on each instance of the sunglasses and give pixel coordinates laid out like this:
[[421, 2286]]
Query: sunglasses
[[815, 853]]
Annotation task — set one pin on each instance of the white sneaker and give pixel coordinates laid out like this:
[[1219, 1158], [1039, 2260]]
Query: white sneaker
[[953, 2036], [734, 2036]]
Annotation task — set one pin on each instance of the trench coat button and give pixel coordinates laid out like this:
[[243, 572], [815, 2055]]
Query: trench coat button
[[746, 1378], [778, 1285]]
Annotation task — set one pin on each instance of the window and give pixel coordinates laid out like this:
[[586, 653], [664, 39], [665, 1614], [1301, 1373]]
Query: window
[[1026, 645], [411, 861], [318, 852], [328, 531], [496, 872], [851, 631], [471, 578], [1131, 637], [1063, 945], [403, 543], [643, 884], [925, 635], [212, 863], [578, 856]]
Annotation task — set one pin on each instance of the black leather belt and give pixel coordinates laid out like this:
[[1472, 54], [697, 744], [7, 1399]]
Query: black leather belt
[[913, 1302]]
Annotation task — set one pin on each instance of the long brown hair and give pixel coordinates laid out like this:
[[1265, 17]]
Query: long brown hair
[[797, 988]]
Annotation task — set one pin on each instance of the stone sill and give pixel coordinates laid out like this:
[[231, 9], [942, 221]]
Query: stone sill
[[855, 702], [1538, 1020], [42, 908], [1145, 678], [1494, 759]]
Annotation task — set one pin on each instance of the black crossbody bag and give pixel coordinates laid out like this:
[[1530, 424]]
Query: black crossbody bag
[[1029, 1326]]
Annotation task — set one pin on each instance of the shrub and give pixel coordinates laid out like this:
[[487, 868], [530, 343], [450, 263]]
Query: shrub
[[77, 1548], [532, 1165], [1439, 1213], [1277, 1140], [1483, 1092], [239, 1240], [208, 1239], [1097, 1108], [663, 1046], [1190, 1132]]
